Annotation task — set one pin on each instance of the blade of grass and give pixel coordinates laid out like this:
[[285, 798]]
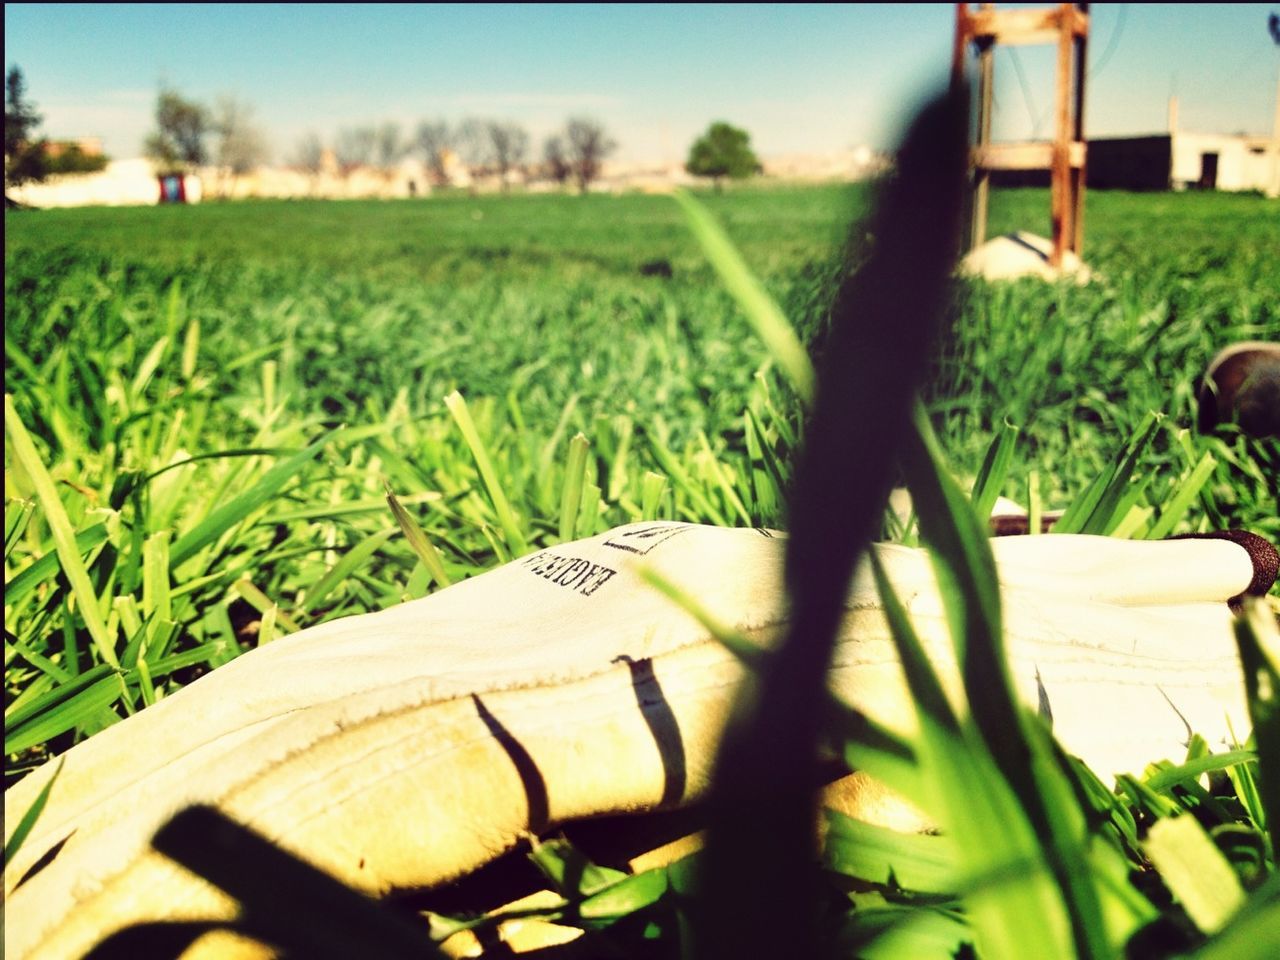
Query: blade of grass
[[61, 710], [864, 851], [506, 517], [17, 515], [354, 558], [1258, 639], [64, 537], [262, 603], [759, 308], [1188, 489], [46, 566], [229, 514], [1094, 509], [1195, 871], [995, 467], [20, 833], [884, 323], [960, 553], [571, 493], [417, 538], [652, 486]]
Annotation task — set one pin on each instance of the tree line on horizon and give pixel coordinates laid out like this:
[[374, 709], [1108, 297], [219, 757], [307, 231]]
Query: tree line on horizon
[[190, 135]]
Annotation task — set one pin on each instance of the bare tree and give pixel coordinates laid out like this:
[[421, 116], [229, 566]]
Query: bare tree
[[588, 146], [353, 147], [472, 143], [557, 159], [388, 149], [433, 141], [508, 143], [308, 156], [239, 144]]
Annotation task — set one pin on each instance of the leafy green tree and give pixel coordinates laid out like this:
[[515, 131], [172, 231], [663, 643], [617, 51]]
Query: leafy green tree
[[177, 145], [73, 159], [723, 151], [24, 156]]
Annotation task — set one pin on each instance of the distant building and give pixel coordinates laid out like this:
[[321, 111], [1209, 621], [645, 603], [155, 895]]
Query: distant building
[[122, 183], [89, 146], [1170, 161], [1178, 161], [1174, 160]]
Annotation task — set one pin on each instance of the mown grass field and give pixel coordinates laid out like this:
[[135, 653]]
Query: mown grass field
[[219, 396]]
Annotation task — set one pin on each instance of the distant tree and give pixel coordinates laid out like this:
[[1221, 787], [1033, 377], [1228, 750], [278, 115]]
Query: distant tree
[[308, 156], [388, 149], [508, 143], [71, 158], [24, 156], [177, 145], [353, 148], [723, 151], [556, 158], [588, 146], [239, 144], [471, 140], [433, 140]]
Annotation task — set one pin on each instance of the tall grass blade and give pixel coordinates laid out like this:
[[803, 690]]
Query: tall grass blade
[[1195, 871], [506, 517], [760, 309], [994, 470], [1258, 639], [652, 487], [418, 540], [873, 854], [571, 494], [229, 514], [20, 833], [965, 570], [1094, 511], [257, 599], [883, 326], [17, 515], [45, 567], [64, 537], [350, 561], [74, 704], [1188, 489]]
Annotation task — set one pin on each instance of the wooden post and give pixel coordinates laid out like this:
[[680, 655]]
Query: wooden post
[[1077, 136], [1064, 155], [1060, 172], [961, 47], [982, 182]]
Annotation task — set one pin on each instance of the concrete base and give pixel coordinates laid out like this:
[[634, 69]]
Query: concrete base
[[1021, 255]]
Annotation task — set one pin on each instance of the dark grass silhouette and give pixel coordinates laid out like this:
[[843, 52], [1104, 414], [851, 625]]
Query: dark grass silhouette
[[759, 888]]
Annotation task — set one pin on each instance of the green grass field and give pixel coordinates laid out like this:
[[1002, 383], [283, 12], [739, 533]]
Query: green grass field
[[208, 403]]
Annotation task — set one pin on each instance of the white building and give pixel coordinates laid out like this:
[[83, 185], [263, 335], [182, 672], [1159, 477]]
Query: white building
[[122, 183]]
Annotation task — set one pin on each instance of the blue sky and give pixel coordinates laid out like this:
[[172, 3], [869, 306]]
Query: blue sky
[[799, 78]]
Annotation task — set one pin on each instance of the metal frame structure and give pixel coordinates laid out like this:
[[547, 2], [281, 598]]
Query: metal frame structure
[[1067, 25]]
